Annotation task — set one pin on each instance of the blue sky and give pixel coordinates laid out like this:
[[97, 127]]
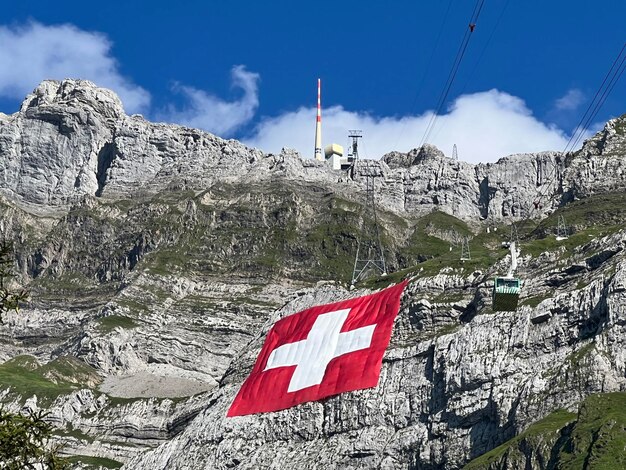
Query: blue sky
[[248, 69]]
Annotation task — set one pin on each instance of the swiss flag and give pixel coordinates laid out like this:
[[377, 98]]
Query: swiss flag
[[319, 352]]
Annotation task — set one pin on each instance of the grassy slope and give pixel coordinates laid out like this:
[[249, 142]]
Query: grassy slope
[[590, 218], [61, 376], [315, 247], [281, 232], [94, 462], [595, 438], [542, 435], [109, 323], [598, 439]]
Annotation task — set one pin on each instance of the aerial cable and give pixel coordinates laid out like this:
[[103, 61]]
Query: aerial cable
[[603, 92], [609, 88], [482, 53], [455, 68], [596, 110], [580, 128], [420, 87], [432, 53], [447, 87], [480, 57]]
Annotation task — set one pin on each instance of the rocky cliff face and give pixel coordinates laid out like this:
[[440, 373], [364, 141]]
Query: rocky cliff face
[[453, 385], [97, 150], [157, 257]]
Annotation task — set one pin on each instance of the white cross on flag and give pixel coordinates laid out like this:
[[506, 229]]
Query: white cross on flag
[[319, 352]]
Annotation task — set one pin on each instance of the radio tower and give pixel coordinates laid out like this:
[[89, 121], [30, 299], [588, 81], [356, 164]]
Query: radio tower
[[455, 153], [369, 252], [318, 124]]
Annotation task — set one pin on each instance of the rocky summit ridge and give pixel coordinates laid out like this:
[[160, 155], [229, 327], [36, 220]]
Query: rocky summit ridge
[[72, 139], [158, 256]]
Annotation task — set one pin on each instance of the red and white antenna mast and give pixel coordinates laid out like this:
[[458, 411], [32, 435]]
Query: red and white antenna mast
[[318, 124]]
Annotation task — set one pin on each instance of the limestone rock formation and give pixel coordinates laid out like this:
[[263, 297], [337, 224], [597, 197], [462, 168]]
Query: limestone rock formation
[[445, 395], [157, 256], [100, 151]]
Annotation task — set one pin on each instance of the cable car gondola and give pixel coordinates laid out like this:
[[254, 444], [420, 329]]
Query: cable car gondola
[[506, 289]]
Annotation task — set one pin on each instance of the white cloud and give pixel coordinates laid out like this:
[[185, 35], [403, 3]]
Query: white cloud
[[485, 126], [214, 114], [34, 52], [570, 101]]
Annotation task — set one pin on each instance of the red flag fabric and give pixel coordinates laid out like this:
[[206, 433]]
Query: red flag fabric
[[320, 352]]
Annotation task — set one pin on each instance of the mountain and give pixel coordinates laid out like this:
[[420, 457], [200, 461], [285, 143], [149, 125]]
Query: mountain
[[158, 256]]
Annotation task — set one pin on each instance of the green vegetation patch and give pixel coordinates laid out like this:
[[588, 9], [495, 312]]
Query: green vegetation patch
[[598, 440], [547, 429], [593, 438], [575, 358], [593, 217], [424, 244], [108, 324], [380, 282], [124, 205], [445, 222], [49, 381], [603, 209], [620, 125], [583, 283], [23, 362], [277, 232], [68, 369], [551, 244], [198, 303], [74, 285], [333, 246], [535, 300], [167, 261], [71, 432], [428, 254], [485, 250], [173, 197], [94, 462]]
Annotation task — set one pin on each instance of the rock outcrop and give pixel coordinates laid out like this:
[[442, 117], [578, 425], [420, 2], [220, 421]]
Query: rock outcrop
[[157, 256], [444, 396], [98, 150]]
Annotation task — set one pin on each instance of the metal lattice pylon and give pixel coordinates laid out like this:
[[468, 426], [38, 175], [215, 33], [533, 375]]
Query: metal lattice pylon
[[465, 249], [562, 231], [353, 153], [369, 253], [455, 202], [455, 153]]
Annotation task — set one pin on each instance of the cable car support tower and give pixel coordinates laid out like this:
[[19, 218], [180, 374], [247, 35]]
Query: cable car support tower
[[369, 258], [353, 153]]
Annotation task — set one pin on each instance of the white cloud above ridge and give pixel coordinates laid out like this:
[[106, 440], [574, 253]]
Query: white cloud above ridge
[[211, 113], [33, 52], [485, 126], [570, 100]]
